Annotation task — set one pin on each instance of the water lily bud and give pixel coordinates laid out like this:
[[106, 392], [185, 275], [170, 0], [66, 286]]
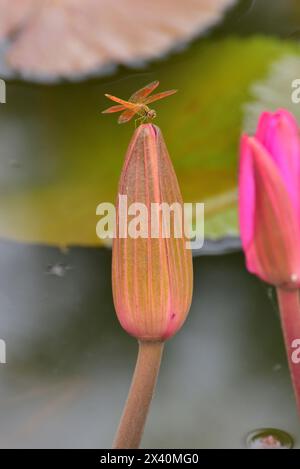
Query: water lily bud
[[152, 274], [269, 200], [269, 212]]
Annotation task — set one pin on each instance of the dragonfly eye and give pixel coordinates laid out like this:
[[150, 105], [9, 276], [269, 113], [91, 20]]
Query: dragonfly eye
[[152, 114]]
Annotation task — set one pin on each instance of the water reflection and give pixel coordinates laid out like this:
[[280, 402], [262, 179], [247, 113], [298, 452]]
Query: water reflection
[[58, 270], [269, 438]]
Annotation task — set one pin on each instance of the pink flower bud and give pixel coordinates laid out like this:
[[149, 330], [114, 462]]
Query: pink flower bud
[[152, 277], [269, 200], [269, 212]]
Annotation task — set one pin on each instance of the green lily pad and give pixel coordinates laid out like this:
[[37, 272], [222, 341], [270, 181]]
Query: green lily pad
[[274, 91], [60, 157]]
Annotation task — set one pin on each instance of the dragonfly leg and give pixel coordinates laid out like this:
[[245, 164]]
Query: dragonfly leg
[[140, 119]]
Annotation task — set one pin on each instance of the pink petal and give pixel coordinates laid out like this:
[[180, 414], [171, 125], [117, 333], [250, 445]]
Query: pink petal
[[274, 251], [246, 192], [279, 134]]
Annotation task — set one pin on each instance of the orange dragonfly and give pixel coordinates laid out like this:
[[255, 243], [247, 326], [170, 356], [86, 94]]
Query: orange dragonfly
[[137, 103]]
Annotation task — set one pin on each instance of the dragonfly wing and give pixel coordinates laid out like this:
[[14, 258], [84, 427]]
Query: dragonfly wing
[[126, 104], [140, 95], [111, 109], [126, 116], [158, 96]]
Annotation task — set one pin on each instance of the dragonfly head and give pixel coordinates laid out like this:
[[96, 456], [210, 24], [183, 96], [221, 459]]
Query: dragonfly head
[[151, 114]]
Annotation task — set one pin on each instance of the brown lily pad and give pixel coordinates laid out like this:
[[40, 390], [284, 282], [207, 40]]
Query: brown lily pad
[[70, 38]]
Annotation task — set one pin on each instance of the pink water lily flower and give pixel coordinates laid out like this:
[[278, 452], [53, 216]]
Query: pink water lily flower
[[269, 213]]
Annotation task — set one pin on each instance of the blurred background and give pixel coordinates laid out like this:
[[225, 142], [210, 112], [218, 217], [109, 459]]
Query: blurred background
[[69, 363]]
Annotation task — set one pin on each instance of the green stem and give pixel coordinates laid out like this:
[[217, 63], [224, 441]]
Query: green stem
[[290, 319], [136, 409]]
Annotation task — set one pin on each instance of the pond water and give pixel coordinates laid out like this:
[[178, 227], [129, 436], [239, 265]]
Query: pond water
[[69, 363]]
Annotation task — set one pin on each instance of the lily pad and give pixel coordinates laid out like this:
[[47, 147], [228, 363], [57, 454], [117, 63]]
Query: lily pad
[[275, 91], [60, 157], [50, 40]]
